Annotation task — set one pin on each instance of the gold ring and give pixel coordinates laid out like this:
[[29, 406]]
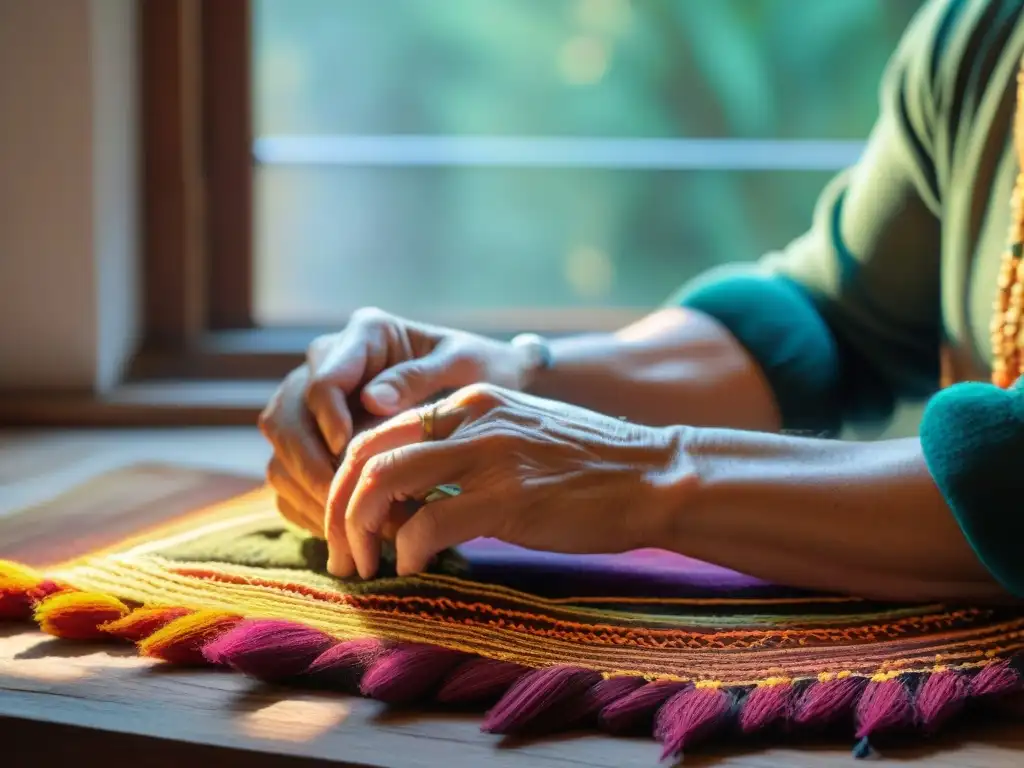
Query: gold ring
[[427, 416]]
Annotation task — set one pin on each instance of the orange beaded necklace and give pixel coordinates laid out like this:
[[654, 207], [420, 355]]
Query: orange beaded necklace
[[1008, 312]]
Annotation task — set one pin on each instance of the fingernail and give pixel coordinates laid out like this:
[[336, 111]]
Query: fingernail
[[385, 395]]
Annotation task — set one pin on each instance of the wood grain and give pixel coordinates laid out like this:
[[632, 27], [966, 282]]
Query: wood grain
[[64, 703]]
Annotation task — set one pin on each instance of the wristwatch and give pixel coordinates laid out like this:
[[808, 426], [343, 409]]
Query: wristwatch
[[538, 355]]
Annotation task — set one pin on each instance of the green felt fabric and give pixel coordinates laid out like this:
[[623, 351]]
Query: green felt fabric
[[973, 440], [283, 546]]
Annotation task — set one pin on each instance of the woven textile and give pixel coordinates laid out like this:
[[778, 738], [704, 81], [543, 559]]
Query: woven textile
[[646, 642]]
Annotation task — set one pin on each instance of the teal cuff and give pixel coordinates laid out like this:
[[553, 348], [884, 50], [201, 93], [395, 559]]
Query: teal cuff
[[778, 324], [972, 436]]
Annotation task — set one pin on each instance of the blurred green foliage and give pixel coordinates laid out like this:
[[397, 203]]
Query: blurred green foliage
[[416, 239]]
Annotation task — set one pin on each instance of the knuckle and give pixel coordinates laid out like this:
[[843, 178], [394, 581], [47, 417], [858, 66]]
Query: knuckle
[[315, 389], [320, 344], [265, 422], [359, 446], [482, 395], [499, 442], [369, 316], [377, 468]]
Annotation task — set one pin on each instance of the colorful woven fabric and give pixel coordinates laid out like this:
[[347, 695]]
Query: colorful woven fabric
[[646, 642]]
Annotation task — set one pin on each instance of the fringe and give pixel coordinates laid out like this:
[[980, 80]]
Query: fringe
[[522, 700]]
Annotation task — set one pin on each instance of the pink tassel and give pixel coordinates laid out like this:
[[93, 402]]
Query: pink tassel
[[941, 697], [689, 717], [534, 696], [268, 649], [883, 706], [825, 703], [583, 709], [765, 706], [996, 679], [599, 697], [408, 673], [635, 711], [479, 680], [341, 666]]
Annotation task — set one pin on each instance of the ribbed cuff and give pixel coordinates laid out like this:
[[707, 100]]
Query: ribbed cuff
[[777, 323]]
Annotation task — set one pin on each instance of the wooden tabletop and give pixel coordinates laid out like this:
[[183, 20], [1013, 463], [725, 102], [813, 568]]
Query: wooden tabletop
[[64, 703]]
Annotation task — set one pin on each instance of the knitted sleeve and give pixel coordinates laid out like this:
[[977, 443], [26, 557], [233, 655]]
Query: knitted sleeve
[[846, 319], [972, 436]]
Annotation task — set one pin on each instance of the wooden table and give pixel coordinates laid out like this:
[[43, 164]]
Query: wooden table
[[73, 704]]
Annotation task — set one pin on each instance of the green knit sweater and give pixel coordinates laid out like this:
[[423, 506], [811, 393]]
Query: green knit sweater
[[901, 259]]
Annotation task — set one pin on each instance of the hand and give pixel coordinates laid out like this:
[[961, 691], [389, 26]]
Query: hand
[[393, 364], [301, 467], [532, 472], [390, 364]]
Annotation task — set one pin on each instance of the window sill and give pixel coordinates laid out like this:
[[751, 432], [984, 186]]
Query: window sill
[[149, 404]]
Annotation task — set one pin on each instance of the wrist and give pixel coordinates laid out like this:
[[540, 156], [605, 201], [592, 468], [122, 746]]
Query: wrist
[[533, 356], [673, 486]]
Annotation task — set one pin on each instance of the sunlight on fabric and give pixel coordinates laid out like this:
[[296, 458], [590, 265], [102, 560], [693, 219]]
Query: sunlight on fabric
[[294, 719]]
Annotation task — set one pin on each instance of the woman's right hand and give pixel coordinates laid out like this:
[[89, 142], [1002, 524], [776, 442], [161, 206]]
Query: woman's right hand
[[386, 364]]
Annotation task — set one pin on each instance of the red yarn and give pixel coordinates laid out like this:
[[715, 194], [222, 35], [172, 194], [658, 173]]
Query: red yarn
[[941, 697], [268, 649], [766, 706], [479, 680], [530, 700], [690, 716], [78, 615], [996, 680], [825, 703], [143, 622], [884, 706], [341, 666], [182, 640], [584, 709], [635, 711], [17, 605], [408, 673]]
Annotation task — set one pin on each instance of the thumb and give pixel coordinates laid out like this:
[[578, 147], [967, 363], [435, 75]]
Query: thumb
[[408, 384]]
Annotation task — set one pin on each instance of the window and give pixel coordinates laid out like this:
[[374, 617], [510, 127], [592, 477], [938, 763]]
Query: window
[[503, 165]]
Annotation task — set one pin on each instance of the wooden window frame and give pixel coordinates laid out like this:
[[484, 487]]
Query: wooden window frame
[[197, 181], [197, 187], [197, 193]]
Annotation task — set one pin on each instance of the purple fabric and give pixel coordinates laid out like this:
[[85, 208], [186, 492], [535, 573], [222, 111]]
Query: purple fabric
[[647, 572]]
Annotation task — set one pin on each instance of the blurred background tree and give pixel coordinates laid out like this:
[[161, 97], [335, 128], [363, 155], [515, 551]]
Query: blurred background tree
[[416, 239]]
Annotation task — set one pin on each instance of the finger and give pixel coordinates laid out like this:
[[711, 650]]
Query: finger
[[298, 499], [401, 430], [301, 449], [410, 383], [290, 512], [306, 459], [337, 365], [405, 429], [328, 406], [407, 472], [290, 428], [440, 525]]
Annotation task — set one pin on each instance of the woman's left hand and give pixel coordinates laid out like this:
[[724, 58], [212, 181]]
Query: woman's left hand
[[532, 472]]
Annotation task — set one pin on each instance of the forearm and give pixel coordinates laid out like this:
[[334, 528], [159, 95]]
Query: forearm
[[860, 518], [675, 366]]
